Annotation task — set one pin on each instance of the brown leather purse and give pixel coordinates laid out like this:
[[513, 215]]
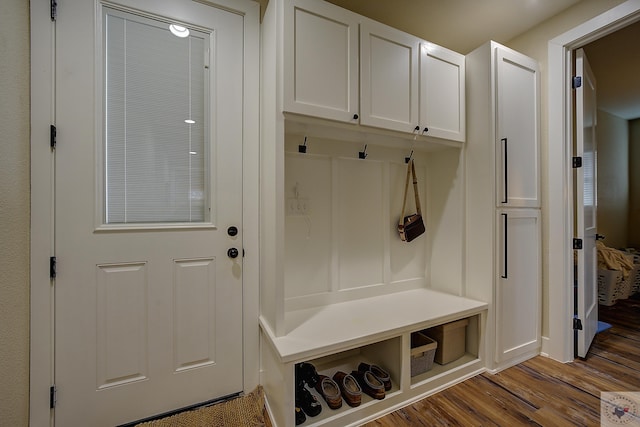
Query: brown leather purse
[[411, 226]]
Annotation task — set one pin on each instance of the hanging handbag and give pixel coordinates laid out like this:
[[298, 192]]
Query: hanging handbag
[[411, 226]]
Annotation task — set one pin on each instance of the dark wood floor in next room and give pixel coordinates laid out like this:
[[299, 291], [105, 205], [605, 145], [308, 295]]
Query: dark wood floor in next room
[[540, 391]]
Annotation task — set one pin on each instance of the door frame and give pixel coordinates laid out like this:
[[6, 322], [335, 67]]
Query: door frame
[[559, 273], [42, 361]]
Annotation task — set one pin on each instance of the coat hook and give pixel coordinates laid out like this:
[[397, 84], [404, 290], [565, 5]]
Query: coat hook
[[363, 154], [303, 148], [407, 159]]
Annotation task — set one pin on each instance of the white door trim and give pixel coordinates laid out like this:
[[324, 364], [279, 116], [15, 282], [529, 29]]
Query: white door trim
[[42, 192], [560, 215]]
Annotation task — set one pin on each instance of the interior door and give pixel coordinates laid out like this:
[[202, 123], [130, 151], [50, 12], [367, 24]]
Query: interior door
[[148, 185], [586, 207]]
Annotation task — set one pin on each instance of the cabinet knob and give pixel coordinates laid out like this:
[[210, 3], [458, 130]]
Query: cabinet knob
[[355, 117], [417, 128], [425, 130]]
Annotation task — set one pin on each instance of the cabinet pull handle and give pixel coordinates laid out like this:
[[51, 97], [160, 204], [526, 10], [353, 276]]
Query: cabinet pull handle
[[505, 176], [504, 218]]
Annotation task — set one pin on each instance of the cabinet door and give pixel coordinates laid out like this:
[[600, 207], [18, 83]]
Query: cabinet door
[[518, 290], [442, 97], [389, 77], [517, 136], [321, 60]]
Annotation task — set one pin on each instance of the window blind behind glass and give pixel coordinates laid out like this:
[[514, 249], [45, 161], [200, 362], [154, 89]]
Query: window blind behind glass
[[155, 170]]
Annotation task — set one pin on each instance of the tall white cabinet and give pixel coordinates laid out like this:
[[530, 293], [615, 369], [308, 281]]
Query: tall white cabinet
[[503, 261]]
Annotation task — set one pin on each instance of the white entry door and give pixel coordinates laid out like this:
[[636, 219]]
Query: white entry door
[[586, 206], [148, 190]]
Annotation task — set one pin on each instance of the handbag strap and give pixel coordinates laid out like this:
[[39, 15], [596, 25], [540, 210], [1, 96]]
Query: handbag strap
[[411, 171]]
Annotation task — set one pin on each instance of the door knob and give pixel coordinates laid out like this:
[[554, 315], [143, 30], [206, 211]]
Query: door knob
[[232, 253]]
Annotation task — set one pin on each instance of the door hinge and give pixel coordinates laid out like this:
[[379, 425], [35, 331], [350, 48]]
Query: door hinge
[[576, 162], [53, 132], [577, 243], [576, 82], [577, 324], [52, 396], [52, 267], [54, 10]]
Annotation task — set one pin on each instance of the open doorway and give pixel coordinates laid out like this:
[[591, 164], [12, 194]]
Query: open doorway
[[608, 68], [561, 210]]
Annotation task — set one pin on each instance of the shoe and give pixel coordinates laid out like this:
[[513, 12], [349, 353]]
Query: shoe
[[307, 402], [330, 391], [306, 373], [349, 387], [300, 416], [380, 373], [370, 384]]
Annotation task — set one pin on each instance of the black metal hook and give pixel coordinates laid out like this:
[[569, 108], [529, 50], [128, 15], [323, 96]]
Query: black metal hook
[[363, 154], [303, 148], [407, 159]]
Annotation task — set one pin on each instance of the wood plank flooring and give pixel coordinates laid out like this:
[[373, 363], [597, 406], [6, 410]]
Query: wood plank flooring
[[540, 391]]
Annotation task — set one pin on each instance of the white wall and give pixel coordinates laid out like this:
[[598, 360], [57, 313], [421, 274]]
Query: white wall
[[14, 212], [612, 134]]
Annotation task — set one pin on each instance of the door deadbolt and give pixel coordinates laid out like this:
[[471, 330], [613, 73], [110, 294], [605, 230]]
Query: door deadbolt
[[232, 231]]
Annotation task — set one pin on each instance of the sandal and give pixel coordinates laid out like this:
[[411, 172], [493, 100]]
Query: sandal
[[370, 384], [351, 391], [307, 401], [330, 391], [380, 373], [306, 373]]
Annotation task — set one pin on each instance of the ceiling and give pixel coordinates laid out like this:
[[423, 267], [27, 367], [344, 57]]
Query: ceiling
[[463, 25]]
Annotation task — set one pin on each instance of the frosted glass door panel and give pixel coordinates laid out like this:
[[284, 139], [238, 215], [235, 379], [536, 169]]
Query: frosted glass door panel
[[155, 133]]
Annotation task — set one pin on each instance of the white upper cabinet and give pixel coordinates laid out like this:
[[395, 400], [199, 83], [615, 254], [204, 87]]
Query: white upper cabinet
[[389, 77], [442, 92], [341, 66], [517, 134], [321, 61]]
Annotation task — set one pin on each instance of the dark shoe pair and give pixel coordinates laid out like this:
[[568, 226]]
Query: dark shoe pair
[[349, 387], [370, 384], [306, 373], [378, 372], [307, 402]]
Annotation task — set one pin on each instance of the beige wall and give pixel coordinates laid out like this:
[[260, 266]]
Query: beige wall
[[634, 183], [613, 178], [14, 212], [534, 43]]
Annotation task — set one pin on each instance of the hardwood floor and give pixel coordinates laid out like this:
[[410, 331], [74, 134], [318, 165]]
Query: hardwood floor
[[540, 391]]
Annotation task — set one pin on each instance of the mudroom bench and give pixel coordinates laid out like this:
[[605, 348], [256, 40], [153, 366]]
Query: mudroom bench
[[375, 330]]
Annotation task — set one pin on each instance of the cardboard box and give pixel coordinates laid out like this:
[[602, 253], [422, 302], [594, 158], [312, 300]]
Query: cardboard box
[[451, 338]]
